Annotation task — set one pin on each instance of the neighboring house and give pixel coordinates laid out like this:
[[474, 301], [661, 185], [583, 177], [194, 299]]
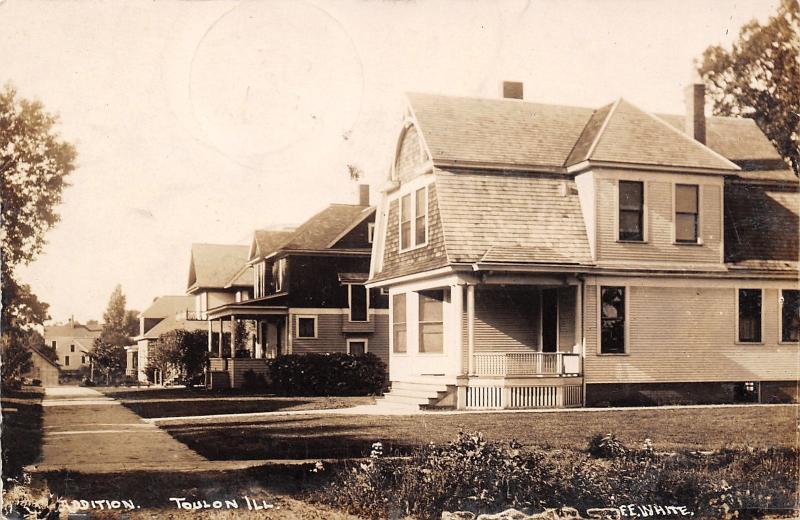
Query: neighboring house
[[72, 342], [166, 313], [43, 368], [212, 279], [551, 256], [308, 295]]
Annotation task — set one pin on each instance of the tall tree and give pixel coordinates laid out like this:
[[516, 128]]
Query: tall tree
[[108, 358], [131, 323], [34, 163], [759, 78], [115, 320]]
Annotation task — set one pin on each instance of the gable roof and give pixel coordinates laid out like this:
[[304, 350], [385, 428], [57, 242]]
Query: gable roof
[[266, 241], [627, 134], [171, 323], [164, 306], [71, 330], [532, 219], [474, 132], [213, 265], [318, 232], [35, 350]]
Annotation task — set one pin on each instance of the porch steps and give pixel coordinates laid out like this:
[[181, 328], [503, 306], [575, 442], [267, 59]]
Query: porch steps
[[412, 394]]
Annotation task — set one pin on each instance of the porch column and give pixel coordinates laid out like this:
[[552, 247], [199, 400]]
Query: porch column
[[233, 336], [457, 301], [210, 336], [259, 340], [471, 328]]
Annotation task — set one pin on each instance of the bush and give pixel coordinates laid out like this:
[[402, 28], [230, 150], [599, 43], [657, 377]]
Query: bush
[[36, 382], [253, 381], [88, 382], [606, 446], [473, 474], [327, 374]]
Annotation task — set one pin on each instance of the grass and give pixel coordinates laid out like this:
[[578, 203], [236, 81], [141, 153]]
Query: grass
[[177, 402], [21, 428], [331, 436]]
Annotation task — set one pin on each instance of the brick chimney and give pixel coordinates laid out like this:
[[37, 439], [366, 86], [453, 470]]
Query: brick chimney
[[695, 111], [363, 194], [512, 90]]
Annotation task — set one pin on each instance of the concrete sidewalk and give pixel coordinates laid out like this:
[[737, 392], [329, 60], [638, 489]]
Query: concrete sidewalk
[[83, 430]]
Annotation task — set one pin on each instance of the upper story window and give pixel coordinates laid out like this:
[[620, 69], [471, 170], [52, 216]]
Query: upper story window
[[414, 218], [370, 232], [631, 211], [260, 280], [72, 348], [749, 314], [279, 274], [358, 296], [612, 320], [54, 343], [399, 323], [790, 315], [431, 321], [687, 210]]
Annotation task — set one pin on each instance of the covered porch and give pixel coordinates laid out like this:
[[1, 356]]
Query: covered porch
[[241, 338]]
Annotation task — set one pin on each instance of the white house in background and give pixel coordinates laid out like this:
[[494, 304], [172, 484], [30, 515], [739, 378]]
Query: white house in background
[[550, 256], [212, 276], [166, 313], [72, 342]]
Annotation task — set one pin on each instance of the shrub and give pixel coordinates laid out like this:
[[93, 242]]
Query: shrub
[[253, 381], [88, 382], [606, 446], [36, 382], [327, 374]]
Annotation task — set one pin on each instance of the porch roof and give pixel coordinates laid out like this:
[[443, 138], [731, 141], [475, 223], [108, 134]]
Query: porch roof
[[244, 311]]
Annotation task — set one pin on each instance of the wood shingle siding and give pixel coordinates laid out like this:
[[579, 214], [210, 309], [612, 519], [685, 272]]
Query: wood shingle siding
[[659, 221], [410, 155], [511, 217], [431, 256], [687, 334]]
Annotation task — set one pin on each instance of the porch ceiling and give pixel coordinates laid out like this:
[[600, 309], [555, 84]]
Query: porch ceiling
[[246, 312]]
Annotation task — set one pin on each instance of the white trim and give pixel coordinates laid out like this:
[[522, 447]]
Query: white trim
[[370, 232], [365, 341], [367, 213], [410, 277], [350, 303], [412, 194], [316, 325], [737, 340], [626, 347], [780, 316]]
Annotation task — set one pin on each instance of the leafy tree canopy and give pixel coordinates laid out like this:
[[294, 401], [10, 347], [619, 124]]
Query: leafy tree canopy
[[119, 325], [759, 78], [108, 358]]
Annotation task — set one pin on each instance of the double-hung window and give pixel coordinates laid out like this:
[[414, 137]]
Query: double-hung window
[[399, 337], [414, 218], [749, 305], [631, 211], [790, 315], [612, 320], [431, 321], [686, 213], [279, 274]]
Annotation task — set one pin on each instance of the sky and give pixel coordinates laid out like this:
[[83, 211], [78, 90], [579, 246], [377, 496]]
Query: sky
[[200, 121]]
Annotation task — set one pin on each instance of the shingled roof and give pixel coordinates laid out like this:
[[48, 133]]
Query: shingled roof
[[266, 241], [163, 306], [213, 265], [532, 219], [460, 131], [320, 231]]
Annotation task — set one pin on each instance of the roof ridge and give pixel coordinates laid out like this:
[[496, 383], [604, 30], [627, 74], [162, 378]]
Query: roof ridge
[[499, 100]]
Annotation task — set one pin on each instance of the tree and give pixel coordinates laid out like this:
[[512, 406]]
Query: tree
[[34, 163], [185, 352], [759, 78], [116, 322], [108, 358], [131, 323]]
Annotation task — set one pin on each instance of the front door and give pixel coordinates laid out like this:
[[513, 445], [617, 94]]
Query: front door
[[550, 320]]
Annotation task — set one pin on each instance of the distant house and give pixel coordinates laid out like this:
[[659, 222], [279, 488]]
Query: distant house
[[43, 368], [308, 295], [551, 256], [212, 279], [72, 342], [166, 313]]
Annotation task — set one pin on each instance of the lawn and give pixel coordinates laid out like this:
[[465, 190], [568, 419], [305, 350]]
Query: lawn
[[177, 402], [21, 428], [339, 436]]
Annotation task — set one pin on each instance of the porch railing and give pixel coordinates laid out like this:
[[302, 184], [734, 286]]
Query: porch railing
[[526, 363], [190, 316]]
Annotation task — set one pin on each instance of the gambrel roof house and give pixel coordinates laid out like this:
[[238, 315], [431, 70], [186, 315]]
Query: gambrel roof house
[[542, 255], [307, 295]]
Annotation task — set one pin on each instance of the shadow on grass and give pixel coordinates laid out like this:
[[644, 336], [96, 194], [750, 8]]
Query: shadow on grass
[[143, 393], [209, 406], [21, 429]]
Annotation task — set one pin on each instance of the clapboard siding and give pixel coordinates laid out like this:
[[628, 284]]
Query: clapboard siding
[[687, 334], [330, 337], [506, 320], [659, 207]]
